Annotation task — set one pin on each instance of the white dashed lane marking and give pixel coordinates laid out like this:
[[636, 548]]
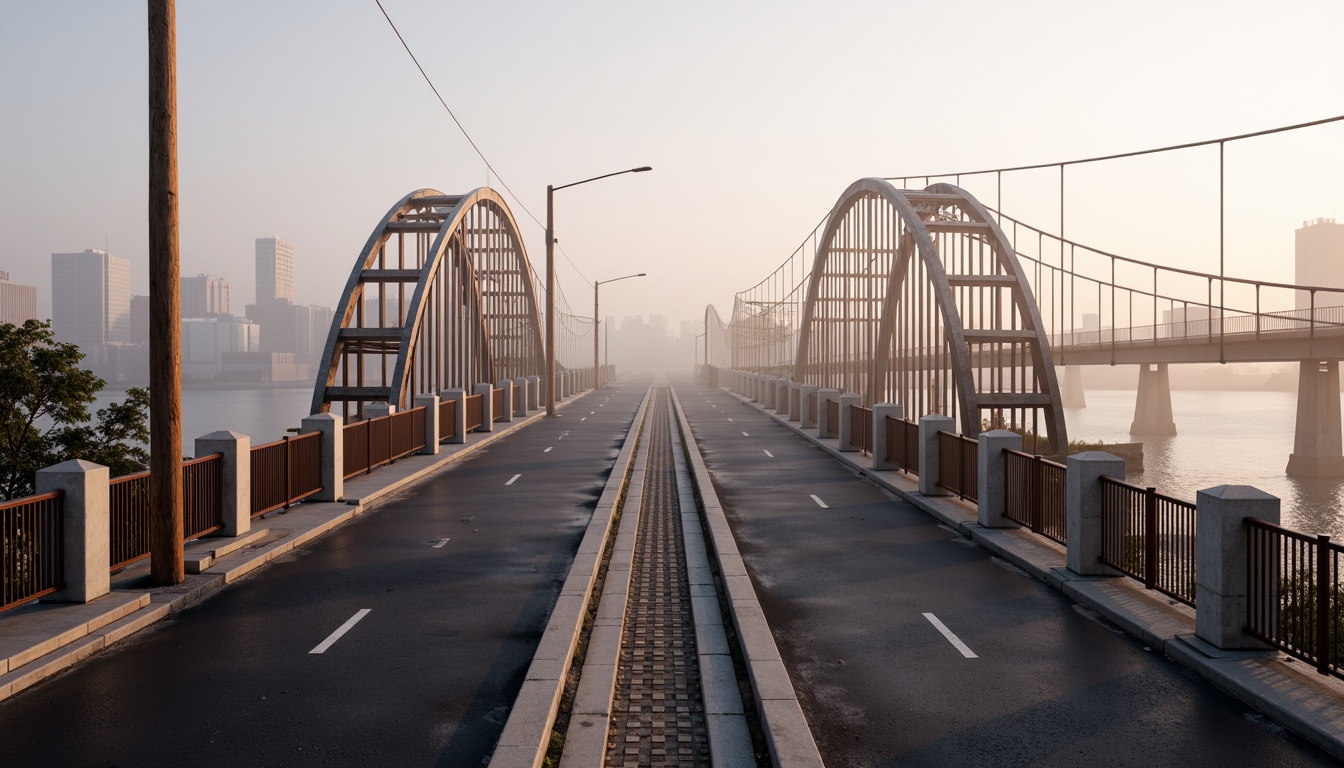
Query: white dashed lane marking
[[515, 477], [340, 632], [951, 638], [820, 503]]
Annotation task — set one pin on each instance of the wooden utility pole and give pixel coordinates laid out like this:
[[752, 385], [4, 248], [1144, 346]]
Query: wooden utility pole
[[165, 343]]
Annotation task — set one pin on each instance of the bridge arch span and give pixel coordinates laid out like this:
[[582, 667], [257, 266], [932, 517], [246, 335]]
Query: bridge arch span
[[441, 296], [917, 297]]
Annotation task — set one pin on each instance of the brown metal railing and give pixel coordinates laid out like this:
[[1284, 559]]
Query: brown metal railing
[[519, 397], [903, 444], [286, 471], [861, 428], [833, 415], [959, 465], [497, 404], [447, 419], [1149, 537], [811, 406], [371, 443], [1036, 494], [32, 548], [1294, 594], [201, 496], [128, 519], [475, 411]]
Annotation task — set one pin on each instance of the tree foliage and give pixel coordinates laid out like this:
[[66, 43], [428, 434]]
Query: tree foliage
[[44, 411]]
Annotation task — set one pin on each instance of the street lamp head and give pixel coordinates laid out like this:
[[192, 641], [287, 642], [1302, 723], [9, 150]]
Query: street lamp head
[[642, 169]]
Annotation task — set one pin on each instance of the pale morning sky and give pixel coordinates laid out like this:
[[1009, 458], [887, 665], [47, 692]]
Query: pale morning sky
[[307, 120]]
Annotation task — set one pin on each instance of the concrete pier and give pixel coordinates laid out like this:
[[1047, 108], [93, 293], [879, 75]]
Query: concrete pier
[[1316, 443], [1152, 409]]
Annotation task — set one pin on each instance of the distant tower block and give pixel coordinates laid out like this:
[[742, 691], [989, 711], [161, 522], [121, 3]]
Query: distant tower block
[[1152, 411], [1071, 392], [1316, 444]]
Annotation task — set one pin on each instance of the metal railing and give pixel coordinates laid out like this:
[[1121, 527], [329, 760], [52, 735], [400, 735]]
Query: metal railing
[[811, 407], [1293, 594], [475, 411], [861, 428], [1149, 537], [1036, 494], [286, 471], [903, 444], [128, 519], [202, 495], [447, 419], [497, 405], [371, 443], [959, 465], [32, 548], [519, 397]]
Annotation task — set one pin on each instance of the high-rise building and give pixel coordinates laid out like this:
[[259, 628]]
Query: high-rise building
[[90, 297], [205, 296], [275, 270], [18, 303], [1319, 259], [139, 319]]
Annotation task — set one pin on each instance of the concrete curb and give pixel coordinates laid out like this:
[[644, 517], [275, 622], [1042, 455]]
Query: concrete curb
[[1310, 705], [786, 730], [527, 732], [123, 612]]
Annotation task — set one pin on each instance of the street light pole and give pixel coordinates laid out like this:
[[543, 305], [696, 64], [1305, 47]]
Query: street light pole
[[550, 280], [597, 380]]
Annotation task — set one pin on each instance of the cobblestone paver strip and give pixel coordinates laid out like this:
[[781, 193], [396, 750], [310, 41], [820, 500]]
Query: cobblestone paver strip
[[659, 716]]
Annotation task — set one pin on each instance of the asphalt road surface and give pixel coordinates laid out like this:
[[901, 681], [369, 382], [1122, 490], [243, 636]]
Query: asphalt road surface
[[443, 593], [911, 646]]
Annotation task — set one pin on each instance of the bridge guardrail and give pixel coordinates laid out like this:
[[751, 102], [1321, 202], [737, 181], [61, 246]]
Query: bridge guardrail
[[32, 548], [958, 465], [1295, 595], [1036, 494], [371, 443], [861, 428], [1149, 537], [903, 444], [447, 419], [475, 411], [129, 509], [497, 404], [285, 471]]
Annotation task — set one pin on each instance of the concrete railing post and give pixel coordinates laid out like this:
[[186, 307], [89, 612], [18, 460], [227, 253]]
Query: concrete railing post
[[795, 401], [235, 478], [378, 410], [519, 392], [782, 389], [880, 413], [806, 395], [929, 427], [1084, 498], [533, 393], [459, 396], [992, 491], [85, 511], [507, 386], [1220, 561], [431, 422], [768, 393], [332, 428], [824, 426], [487, 406], [849, 440]]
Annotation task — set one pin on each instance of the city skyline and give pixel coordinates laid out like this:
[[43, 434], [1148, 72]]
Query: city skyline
[[750, 140]]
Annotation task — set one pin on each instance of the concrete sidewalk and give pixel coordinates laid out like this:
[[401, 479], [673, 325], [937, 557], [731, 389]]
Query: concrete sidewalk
[[1287, 690], [41, 639]]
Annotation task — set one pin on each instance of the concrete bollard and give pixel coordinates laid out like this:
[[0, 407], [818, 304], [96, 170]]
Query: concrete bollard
[[487, 406], [824, 426], [333, 454], [880, 413], [459, 425], [1220, 561], [1084, 499], [235, 478], [533, 393], [807, 394], [85, 511], [507, 386], [431, 422], [848, 440], [992, 490], [929, 427], [519, 404]]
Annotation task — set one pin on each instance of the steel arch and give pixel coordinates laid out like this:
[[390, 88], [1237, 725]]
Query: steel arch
[[471, 315], [954, 331]]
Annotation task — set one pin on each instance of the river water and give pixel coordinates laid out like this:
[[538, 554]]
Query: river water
[[1224, 438]]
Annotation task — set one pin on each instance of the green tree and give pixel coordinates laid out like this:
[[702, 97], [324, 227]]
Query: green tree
[[44, 411]]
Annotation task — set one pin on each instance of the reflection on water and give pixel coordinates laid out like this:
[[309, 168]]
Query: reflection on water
[[1236, 438], [262, 413]]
